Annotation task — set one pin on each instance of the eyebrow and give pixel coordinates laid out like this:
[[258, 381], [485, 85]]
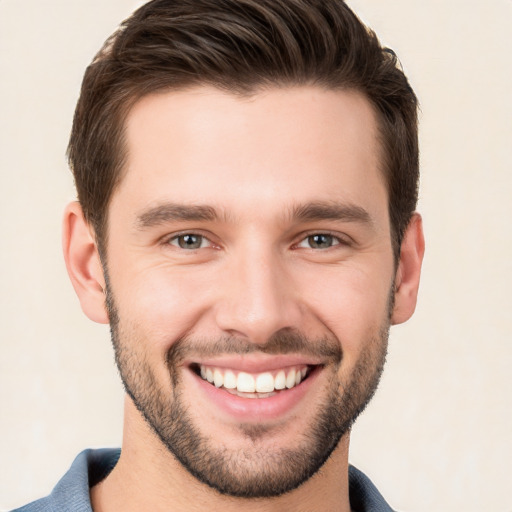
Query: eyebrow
[[170, 212], [308, 212], [335, 211]]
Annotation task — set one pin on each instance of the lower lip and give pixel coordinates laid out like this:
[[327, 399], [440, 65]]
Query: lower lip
[[256, 409]]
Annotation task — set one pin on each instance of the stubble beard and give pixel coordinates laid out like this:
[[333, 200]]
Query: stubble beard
[[259, 470]]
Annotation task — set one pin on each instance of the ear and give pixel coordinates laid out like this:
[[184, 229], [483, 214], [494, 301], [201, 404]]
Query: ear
[[83, 263], [407, 279]]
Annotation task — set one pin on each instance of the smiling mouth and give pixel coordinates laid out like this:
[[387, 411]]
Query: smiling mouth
[[254, 385]]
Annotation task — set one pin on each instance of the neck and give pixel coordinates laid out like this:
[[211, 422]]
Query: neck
[[148, 477]]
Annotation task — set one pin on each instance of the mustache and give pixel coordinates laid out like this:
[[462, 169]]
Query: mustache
[[285, 341]]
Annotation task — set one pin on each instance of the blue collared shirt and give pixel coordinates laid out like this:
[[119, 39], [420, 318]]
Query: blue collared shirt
[[90, 467]]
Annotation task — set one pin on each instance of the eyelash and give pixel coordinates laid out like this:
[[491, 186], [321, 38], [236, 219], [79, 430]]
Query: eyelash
[[306, 238], [176, 238], [339, 240]]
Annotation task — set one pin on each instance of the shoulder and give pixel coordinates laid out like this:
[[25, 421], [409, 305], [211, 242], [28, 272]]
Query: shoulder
[[364, 496], [71, 494], [42, 505]]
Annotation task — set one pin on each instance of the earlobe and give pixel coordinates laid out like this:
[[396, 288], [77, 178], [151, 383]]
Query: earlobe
[[83, 263], [407, 279]]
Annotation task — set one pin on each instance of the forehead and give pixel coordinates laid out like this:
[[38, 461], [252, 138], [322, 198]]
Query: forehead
[[277, 146]]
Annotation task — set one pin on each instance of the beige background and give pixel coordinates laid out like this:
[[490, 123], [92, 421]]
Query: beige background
[[438, 434]]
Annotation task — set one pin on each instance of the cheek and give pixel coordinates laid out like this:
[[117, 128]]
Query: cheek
[[159, 305], [353, 305]]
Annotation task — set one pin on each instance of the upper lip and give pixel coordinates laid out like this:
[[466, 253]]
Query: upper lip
[[252, 363]]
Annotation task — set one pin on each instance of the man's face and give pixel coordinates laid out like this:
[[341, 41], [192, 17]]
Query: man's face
[[249, 245]]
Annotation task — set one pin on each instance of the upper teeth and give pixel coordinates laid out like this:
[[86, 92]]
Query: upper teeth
[[265, 382]]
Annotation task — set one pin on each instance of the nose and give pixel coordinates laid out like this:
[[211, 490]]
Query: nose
[[258, 296]]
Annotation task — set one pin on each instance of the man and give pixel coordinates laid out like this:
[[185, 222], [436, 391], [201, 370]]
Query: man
[[247, 176]]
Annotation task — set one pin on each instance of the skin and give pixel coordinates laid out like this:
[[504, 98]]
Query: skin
[[253, 160]]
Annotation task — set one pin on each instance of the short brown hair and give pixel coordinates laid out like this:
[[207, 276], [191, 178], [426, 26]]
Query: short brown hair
[[239, 46]]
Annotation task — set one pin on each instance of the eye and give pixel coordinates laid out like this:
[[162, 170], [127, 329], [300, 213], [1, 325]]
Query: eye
[[319, 241], [189, 241]]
